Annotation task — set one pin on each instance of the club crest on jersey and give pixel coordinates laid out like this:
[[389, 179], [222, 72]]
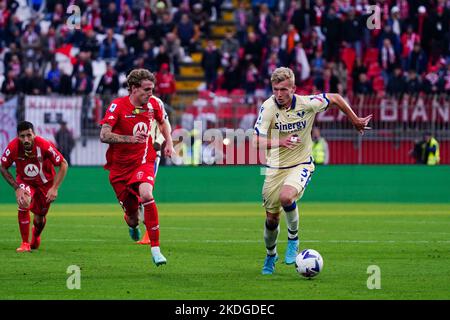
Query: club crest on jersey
[[112, 107], [139, 175], [301, 114], [140, 127], [138, 110], [31, 170]]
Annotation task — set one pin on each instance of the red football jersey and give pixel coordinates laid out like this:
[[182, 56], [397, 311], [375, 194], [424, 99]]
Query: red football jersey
[[36, 169], [126, 119]]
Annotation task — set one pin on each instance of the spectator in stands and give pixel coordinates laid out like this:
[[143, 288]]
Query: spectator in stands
[[124, 61], [165, 84], [275, 48], [174, 50], [363, 85], [10, 85], [426, 151], [433, 82], [253, 50], [110, 17], [299, 62], [327, 82], [14, 65], [136, 44], [262, 22], [230, 45], [31, 82], [166, 25], [408, 39], [251, 79], [90, 42], [148, 53], [317, 65], [396, 84], [395, 21], [232, 75], [413, 83], [352, 31], [331, 28], [188, 33], [290, 39], [109, 46], [358, 68], [242, 19], [50, 42], [64, 141], [162, 57], [210, 64], [439, 29], [277, 27], [388, 33], [109, 83], [201, 19], [320, 152], [388, 59], [53, 78], [84, 64], [83, 83], [30, 44], [417, 59]]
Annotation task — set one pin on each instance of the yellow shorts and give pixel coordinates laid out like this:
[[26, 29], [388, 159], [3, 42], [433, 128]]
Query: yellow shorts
[[297, 177]]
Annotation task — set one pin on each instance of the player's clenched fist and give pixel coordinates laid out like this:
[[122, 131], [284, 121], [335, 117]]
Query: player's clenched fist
[[140, 137], [22, 198]]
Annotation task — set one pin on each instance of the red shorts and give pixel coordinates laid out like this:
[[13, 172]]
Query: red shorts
[[39, 204], [126, 185]]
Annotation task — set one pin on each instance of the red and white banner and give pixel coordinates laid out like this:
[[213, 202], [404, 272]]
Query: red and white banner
[[47, 112], [8, 122]]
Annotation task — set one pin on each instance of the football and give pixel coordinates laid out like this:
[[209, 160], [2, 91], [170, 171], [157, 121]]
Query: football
[[309, 263]]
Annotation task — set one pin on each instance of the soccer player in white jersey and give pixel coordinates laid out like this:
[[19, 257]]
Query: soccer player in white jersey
[[283, 128]]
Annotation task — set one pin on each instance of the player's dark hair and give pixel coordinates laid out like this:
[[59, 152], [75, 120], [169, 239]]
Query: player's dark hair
[[24, 125]]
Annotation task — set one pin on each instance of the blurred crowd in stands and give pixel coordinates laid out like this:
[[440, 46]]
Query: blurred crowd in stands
[[327, 43]]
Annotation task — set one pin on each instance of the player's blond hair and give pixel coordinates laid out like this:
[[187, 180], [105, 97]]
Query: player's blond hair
[[282, 73], [136, 76]]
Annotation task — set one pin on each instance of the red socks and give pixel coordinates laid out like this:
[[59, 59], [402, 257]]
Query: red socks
[[24, 224], [151, 222], [38, 227]]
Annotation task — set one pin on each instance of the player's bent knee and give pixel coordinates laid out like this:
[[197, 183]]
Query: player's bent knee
[[272, 221], [146, 197]]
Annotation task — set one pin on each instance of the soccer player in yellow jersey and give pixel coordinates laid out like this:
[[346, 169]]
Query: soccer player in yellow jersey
[[283, 128]]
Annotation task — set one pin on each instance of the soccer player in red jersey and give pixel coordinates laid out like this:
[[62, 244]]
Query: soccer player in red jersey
[[130, 157], [36, 183]]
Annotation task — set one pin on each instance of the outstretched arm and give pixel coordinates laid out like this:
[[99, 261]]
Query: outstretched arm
[[360, 124], [107, 136]]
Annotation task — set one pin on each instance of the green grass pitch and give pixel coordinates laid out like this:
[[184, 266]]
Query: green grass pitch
[[216, 251]]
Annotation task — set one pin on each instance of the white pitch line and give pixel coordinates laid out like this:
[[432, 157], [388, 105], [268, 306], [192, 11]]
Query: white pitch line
[[246, 241]]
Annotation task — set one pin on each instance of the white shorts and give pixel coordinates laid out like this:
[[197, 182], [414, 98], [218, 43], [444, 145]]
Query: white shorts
[[297, 177]]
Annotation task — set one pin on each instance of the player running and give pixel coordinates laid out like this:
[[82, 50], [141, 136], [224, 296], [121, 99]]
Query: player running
[[283, 128], [36, 184], [130, 157], [158, 139]]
